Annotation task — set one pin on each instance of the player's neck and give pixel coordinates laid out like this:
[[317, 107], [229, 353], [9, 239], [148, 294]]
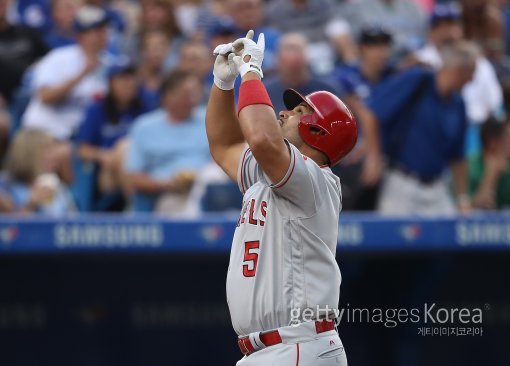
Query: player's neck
[[314, 154]]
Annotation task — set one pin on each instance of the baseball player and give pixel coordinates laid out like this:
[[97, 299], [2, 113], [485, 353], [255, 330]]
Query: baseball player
[[283, 281]]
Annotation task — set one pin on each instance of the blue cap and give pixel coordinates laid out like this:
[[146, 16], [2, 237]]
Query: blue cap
[[222, 27], [123, 65], [445, 12], [375, 34], [90, 17]]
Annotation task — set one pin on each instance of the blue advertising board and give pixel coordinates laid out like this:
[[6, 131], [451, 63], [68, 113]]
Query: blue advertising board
[[148, 233]]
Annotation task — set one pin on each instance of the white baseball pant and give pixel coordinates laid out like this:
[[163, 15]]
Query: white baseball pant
[[301, 346]]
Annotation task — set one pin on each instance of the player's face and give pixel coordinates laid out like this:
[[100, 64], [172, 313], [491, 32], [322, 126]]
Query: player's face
[[289, 121]]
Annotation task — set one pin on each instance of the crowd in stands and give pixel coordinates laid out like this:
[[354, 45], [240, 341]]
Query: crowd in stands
[[103, 102]]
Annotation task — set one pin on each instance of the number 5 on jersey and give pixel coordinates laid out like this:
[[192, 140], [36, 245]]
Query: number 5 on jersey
[[251, 256]]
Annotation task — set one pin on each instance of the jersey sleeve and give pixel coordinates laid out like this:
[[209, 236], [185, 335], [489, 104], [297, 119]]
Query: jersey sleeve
[[299, 190], [247, 172]]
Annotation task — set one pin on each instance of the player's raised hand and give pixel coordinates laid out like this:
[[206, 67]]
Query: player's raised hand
[[225, 69], [223, 49], [249, 55]]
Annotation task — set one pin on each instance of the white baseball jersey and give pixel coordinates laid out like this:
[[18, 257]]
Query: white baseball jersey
[[283, 251]]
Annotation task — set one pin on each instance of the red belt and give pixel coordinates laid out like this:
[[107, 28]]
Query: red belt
[[273, 337]]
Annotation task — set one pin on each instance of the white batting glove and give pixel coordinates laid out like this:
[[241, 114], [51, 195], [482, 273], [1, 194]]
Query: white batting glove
[[225, 69], [249, 55], [223, 49]]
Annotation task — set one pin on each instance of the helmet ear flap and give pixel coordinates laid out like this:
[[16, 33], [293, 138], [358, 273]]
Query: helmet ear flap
[[331, 128], [313, 128]]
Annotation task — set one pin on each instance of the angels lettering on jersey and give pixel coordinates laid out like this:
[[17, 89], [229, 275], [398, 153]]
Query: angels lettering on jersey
[[253, 213]]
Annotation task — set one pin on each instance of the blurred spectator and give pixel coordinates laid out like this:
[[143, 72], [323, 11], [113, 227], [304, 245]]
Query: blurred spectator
[[303, 16], [168, 146], [6, 203], [107, 122], [186, 16], [404, 18], [5, 126], [340, 37], [130, 13], [158, 15], [118, 43], [19, 48], [308, 18], [445, 27], [69, 78], [505, 8], [62, 30], [357, 81], [483, 96], [489, 171], [30, 179], [116, 21], [293, 71], [197, 59], [427, 5], [250, 14], [35, 14], [209, 14], [155, 47], [423, 123], [223, 30], [484, 24]]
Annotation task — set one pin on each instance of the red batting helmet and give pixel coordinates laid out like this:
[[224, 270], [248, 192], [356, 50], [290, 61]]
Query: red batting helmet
[[331, 128]]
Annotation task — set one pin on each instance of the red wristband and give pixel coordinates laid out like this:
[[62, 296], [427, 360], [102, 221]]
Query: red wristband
[[252, 92]]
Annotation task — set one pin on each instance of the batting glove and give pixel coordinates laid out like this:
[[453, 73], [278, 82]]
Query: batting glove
[[249, 55], [225, 69]]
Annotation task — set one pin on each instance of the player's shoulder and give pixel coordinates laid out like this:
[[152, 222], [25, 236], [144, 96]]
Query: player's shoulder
[[321, 172]]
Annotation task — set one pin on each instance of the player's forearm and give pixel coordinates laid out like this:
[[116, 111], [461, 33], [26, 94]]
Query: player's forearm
[[259, 124], [221, 121]]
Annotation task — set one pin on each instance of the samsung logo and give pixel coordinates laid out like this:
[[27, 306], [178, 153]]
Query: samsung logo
[[108, 236], [350, 234], [472, 233]]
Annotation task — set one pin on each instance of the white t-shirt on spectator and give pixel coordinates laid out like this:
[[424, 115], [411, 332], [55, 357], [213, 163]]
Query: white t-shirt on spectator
[[483, 95], [61, 120]]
